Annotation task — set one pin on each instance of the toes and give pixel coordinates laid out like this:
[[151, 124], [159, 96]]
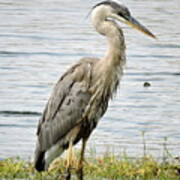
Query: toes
[[80, 173], [67, 176]]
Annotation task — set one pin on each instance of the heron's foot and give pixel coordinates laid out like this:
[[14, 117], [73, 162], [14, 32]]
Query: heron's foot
[[67, 175], [80, 173]]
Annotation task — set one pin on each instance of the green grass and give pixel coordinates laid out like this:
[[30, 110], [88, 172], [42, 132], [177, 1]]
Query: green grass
[[106, 167]]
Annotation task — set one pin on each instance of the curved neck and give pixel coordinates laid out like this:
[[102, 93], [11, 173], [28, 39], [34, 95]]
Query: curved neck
[[110, 68], [116, 43]]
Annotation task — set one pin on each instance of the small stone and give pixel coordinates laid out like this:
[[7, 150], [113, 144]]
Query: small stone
[[147, 84]]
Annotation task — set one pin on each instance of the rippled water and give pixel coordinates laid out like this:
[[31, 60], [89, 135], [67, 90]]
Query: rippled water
[[40, 39]]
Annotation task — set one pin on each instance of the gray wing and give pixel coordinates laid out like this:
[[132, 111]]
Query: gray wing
[[66, 105]]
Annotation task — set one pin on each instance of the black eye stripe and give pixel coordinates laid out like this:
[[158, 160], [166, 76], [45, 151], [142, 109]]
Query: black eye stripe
[[120, 14], [102, 3], [125, 16], [120, 9], [113, 4]]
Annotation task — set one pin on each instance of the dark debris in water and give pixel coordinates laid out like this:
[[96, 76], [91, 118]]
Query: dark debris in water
[[146, 84]]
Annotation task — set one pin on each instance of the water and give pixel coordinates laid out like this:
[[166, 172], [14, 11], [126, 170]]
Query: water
[[41, 39]]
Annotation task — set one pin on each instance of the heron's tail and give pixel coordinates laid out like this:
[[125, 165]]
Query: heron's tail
[[44, 158], [39, 160]]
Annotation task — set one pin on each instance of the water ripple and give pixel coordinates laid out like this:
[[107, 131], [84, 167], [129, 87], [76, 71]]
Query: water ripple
[[20, 113], [40, 40], [14, 54]]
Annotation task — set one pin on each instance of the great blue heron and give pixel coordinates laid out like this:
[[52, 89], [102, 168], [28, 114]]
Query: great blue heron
[[81, 96]]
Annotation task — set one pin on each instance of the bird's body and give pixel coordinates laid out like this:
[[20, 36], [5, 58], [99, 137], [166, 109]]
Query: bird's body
[[81, 96]]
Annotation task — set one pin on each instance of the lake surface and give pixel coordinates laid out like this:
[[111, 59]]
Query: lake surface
[[40, 39]]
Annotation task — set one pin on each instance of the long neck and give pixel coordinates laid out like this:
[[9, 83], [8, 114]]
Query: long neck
[[109, 69], [115, 57], [114, 34], [116, 45]]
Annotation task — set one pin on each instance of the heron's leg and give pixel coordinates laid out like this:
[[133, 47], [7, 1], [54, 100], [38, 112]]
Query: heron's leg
[[69, 160], [80, 164]]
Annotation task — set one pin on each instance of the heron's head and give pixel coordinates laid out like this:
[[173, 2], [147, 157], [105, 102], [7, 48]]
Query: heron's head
[[112, 10]]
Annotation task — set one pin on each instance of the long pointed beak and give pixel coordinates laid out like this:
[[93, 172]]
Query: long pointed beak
[[129, 20], [137, 25]]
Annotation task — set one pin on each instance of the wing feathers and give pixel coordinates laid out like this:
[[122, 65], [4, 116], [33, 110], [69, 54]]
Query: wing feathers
[[66, 105]]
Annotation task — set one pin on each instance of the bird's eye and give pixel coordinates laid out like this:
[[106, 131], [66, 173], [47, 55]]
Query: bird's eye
[[124, 12], [120, 14], [125, 16]]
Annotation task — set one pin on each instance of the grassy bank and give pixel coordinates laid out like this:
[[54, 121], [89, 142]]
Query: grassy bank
[[106, 167]]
